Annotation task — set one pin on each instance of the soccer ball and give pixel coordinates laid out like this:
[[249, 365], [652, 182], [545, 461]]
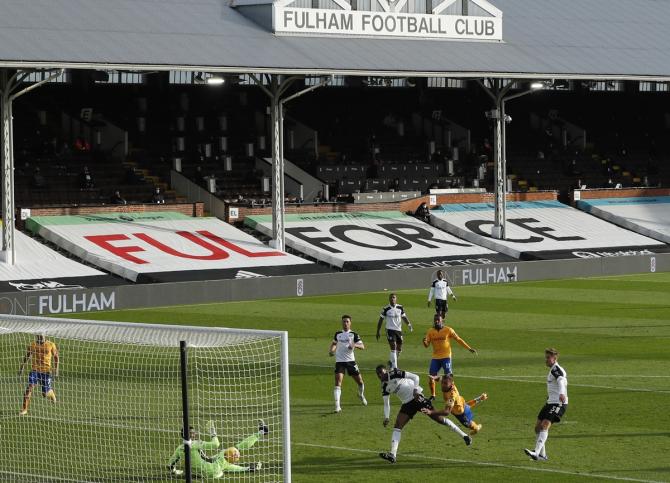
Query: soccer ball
[[232, 454]]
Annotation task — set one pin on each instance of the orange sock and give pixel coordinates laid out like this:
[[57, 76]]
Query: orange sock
[[431, 385], [472, 403], [26, 403]]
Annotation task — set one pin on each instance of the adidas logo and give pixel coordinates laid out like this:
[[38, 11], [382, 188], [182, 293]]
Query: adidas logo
[[245, 274]]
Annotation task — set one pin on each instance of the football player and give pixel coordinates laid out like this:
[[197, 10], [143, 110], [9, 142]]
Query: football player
[[455, 404], [405, 385], [222, 462], [556, 406], [342, 347], [40, 352], [441, 290], [439, 336], [393, 314]]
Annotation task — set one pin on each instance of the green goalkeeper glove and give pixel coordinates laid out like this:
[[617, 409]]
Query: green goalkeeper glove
[[175, 471], [211, 429]]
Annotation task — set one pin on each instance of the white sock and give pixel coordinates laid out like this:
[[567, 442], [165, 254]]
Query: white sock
[[361, 390], [447, 422], [395, 441], [336, 393], [543, 452], [541, 440], [394, 360]]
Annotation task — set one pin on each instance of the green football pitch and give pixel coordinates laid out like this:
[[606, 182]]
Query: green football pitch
[[613, 334]]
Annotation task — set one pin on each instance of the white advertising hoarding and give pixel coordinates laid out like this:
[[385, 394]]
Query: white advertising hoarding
[[140, 247], [543, 230], [375, 240]]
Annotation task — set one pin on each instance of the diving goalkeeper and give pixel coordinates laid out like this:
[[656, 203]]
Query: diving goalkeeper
[[222, 462]]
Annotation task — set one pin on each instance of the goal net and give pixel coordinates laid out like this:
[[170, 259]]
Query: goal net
[[115, 413]]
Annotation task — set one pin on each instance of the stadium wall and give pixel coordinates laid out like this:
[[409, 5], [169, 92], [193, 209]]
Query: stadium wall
[[188, 209], [155, 295], [241, 212], [590, 194]]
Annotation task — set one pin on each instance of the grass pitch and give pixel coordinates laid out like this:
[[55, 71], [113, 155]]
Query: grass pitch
[[613, 336]]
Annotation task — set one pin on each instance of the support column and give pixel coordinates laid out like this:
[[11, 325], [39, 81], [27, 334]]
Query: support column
[[277, 167], [503, 149], [8, 252], [498, 230]]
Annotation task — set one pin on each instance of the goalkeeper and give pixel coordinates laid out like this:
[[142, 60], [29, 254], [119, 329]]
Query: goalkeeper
[[222, 462]]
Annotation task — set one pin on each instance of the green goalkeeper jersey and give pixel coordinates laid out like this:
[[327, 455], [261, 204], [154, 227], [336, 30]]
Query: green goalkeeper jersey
[[202, 464]]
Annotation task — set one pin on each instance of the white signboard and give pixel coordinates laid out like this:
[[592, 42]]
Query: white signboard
[[648, 216], [36, 261], [543, 230], [153, 243], [375, 240], [390, 21]]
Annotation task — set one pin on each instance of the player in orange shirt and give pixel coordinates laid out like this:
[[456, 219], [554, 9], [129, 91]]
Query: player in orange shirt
[[439, 336], [41, 352], [455, 404]]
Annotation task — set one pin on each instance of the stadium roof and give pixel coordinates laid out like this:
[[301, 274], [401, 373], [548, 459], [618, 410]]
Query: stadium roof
[[616, 39]]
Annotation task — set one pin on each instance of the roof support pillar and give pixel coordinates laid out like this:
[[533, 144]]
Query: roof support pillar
[[277, 121], [8, 250], [497, 90], [277, 87], [9, 90]]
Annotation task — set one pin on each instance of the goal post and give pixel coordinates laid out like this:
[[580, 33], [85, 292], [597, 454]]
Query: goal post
[[114, 412]]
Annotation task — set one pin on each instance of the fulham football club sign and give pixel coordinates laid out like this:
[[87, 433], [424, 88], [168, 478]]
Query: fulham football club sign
[[389, 18]]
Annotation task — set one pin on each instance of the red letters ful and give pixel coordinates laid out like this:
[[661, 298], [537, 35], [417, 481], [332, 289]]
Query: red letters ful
[[215, 252]]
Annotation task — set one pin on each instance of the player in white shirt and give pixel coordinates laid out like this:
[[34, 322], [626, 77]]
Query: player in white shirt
[[342, 347], [393, 314], [405, 385], [441, 290], [556, 406]]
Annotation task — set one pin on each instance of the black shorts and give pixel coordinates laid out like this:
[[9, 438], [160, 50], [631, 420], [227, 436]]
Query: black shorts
[[394, 336], [552, 412], [441, 306], [415, 405], [350, 368]]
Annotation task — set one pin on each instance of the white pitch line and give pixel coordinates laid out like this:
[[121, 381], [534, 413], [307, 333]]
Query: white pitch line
[[486, 463], [595, 386], [574, 376], [521, 379], [50, 478]]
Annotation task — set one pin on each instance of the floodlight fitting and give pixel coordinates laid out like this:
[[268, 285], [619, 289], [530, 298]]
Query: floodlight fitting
[[537, 85], [215, 81]]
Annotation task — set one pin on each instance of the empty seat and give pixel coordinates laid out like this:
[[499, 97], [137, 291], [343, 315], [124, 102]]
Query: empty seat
[[349, 186], [379, 184], [354, 171]]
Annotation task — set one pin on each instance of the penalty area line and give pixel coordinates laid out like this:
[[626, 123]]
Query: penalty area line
[[487, 463]]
